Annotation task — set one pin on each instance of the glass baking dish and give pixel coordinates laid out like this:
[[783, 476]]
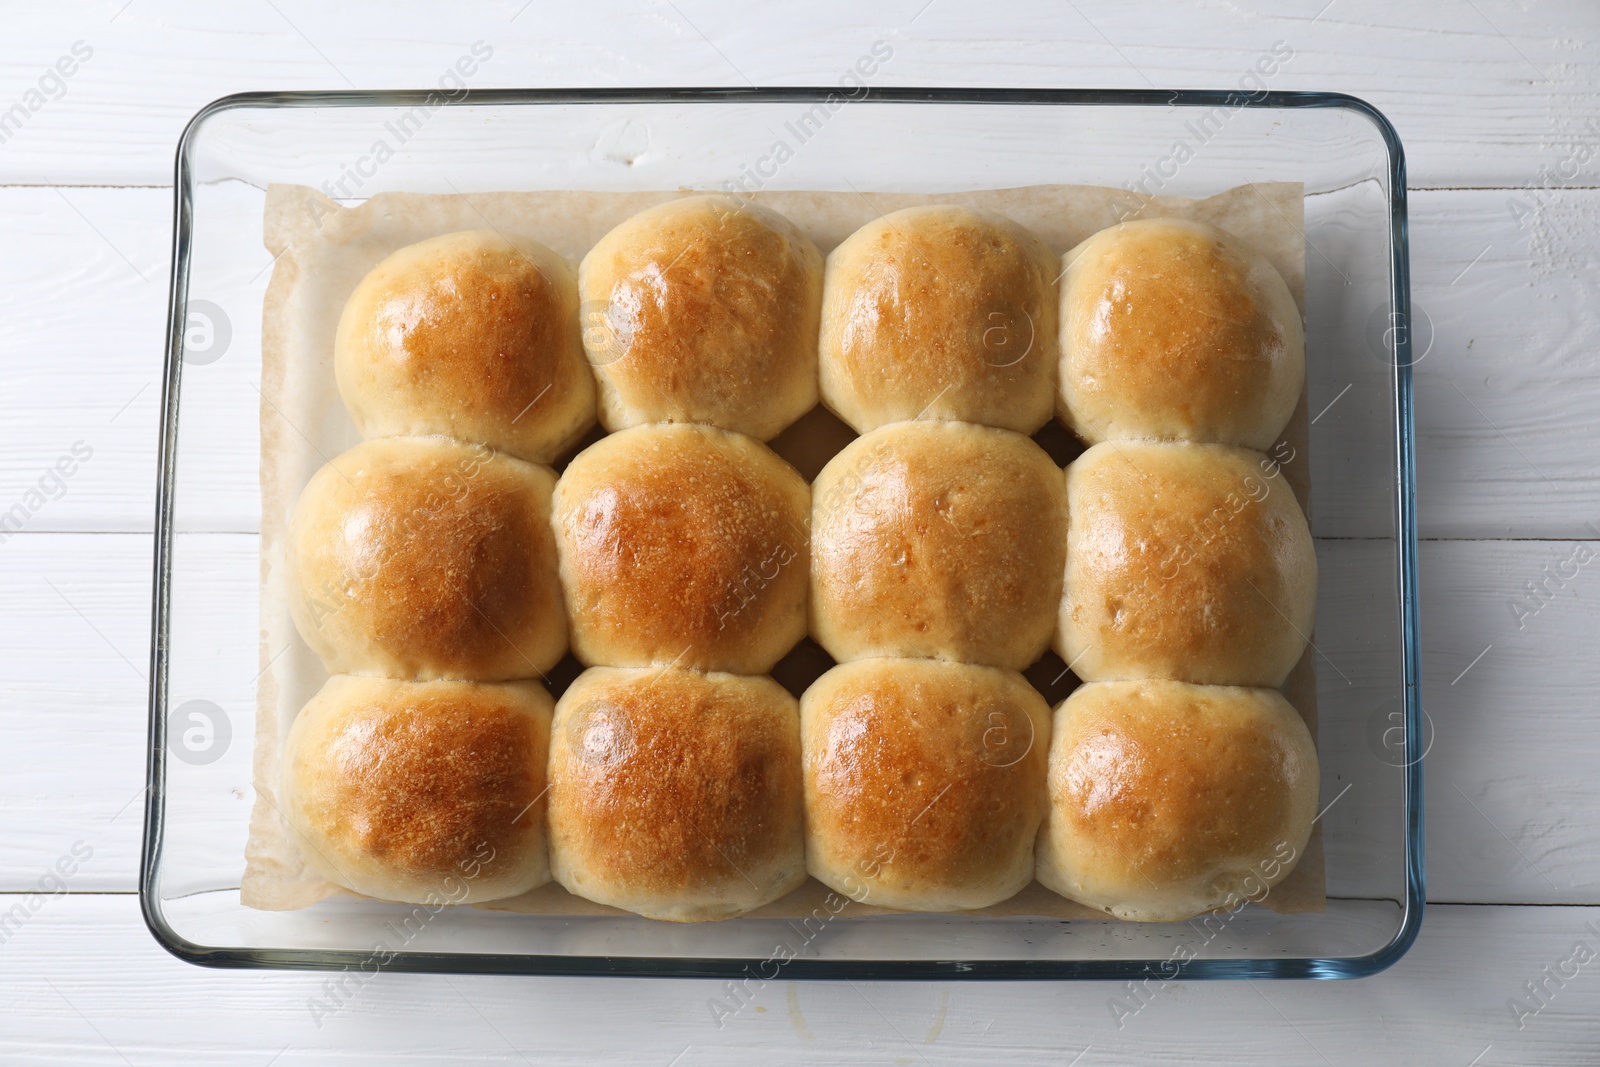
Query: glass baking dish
[[848, 137]]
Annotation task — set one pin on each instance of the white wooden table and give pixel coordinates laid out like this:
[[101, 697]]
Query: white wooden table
[[1498, 102]]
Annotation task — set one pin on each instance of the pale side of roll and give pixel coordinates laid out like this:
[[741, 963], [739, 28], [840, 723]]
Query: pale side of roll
[[1170, 800], [423, 792], [1184, 561], [1177, 330], [676, 794]]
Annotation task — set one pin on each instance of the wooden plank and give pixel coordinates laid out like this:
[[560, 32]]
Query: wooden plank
[[83, 309], [1506, 386], [1504, 393], [82, 971], [76, 687], [1483, 95], [1513, 808], [82, 318]]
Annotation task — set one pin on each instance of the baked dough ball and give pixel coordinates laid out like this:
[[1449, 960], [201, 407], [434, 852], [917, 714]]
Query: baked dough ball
[[944, 313], [684, 545], [1177, 330], [421, 557], [1184, 561], [426, 792], [676, 794], [472, 336], [703, 309], [938, 539], [924, 782], [1168, 800]]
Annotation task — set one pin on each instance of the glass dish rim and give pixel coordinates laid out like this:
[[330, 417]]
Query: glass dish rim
[[734, 967]]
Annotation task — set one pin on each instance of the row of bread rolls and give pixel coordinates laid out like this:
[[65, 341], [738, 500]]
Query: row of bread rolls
[[903, 783], [426, 552], [713, 310], [1187, 558], [675, 788], [938, 539], [682, 545], [930, 538]]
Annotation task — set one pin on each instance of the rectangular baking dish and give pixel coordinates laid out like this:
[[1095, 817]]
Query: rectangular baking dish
[[850, 137]]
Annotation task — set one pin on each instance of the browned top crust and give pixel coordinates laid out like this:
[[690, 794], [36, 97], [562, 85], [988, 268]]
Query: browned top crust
[[670, 783], [398, 786], [1176, 330], [931, 773], [427, 558], [1185, 561], [685, 545], [468, 335], [938, 539], [703, 309], [940, 312], [1172, 782]]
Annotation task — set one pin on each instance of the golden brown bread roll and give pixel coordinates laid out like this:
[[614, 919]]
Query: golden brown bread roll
[[1177, 330], [703, 309], [1184, 561], [944, 313], [1168, 800], [421, 557], [676, 794], [471, 336], [939, 539], [924, 782], [426, 792], [684, 545]]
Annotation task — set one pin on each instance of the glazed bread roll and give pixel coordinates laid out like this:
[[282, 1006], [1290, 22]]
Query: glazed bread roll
[[1177, 330], [703, 309], [683, 545], [471, 336], [924, 782], [421, 557], [944, 313], [426, 792], [1184, 561], [938, 539], [1168, 800], [676, 794]]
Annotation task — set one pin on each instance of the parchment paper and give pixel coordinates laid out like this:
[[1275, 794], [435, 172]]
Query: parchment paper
[[322, 250]]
